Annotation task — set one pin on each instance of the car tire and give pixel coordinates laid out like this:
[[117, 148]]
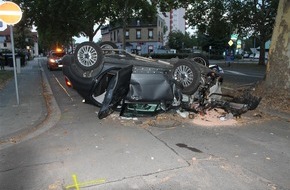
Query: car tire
[[199, 58], [187, 74], [105, 46], [108, 45], [88, 56], [69, 62]]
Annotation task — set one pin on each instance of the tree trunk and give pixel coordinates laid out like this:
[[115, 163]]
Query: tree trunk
[[262, 50], [91, 38], [278, 67], [275, 89]]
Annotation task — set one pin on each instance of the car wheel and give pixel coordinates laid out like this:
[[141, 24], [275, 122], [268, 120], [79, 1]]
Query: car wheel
[[199, 58], [88, 56], [106, 46], [187, 74]]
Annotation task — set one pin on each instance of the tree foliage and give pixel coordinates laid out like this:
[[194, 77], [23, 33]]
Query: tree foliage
[[219, 19], [212, 23], [254, 18], [93, 13], [179, 41], [58, 21], [55, 20], [23, 36]]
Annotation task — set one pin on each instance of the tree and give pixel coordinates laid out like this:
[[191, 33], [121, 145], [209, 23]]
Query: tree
[[219, 19], [254, 17], [94, 13], [177, 40], [58, 21], [22, 36], [276, 85], [212, 23]]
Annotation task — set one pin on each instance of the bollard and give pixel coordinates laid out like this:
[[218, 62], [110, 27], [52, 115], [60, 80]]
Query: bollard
[[18, 65]]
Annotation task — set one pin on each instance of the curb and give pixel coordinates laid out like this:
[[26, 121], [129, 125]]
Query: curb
[[52, 117]]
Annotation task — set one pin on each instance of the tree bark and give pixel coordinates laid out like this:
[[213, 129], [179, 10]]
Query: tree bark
[[275, 89], [278, 67]]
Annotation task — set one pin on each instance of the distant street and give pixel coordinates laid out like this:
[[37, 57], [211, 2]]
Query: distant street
[[117, 153], [241, 73]]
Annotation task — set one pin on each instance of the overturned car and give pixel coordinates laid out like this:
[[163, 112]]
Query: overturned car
[[112, 79]]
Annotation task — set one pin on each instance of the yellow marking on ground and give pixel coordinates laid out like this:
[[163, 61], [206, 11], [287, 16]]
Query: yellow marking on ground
[[77, 185]]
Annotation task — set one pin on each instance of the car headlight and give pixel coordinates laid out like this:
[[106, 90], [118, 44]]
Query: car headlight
[[52, 60]]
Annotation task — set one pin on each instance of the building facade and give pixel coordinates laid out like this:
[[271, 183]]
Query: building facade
[[174, 21], [5, 42], [142, 37], [145, 37]]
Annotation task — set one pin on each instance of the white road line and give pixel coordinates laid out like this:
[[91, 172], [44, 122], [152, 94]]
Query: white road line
[[243, 74], [63, 88]]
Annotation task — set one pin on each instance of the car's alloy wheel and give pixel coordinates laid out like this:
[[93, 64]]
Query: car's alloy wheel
[[88, 56], [188, 75]]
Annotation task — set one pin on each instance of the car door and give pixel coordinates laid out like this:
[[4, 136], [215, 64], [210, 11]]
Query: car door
[[117, 89]]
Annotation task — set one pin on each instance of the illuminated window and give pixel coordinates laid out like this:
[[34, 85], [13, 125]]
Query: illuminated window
[[127, 34], [138, 34], [150, 33]]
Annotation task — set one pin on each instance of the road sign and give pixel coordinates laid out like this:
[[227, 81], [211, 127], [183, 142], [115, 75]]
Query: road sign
[[230, 42], [10, 13], [3, 26], [234, 36]]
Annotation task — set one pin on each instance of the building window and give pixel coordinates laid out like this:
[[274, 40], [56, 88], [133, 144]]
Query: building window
[[150, 33], [150, 49], [127, 34], [138, 34]]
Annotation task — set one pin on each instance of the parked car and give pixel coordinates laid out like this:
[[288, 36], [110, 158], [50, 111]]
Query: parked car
[[54, 59], [114, 79], [246, 55]]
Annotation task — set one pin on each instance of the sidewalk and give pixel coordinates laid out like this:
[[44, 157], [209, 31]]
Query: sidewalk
[[19, 122]]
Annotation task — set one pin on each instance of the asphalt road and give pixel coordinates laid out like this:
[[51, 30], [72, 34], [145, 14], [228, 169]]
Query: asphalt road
[[116, 153], [242, 74]]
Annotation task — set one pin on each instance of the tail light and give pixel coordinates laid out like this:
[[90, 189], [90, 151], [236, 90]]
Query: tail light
[[67, 82]]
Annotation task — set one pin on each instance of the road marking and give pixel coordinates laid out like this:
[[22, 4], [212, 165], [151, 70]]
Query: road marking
[[63, 88], [77, 185], [243, 74]]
